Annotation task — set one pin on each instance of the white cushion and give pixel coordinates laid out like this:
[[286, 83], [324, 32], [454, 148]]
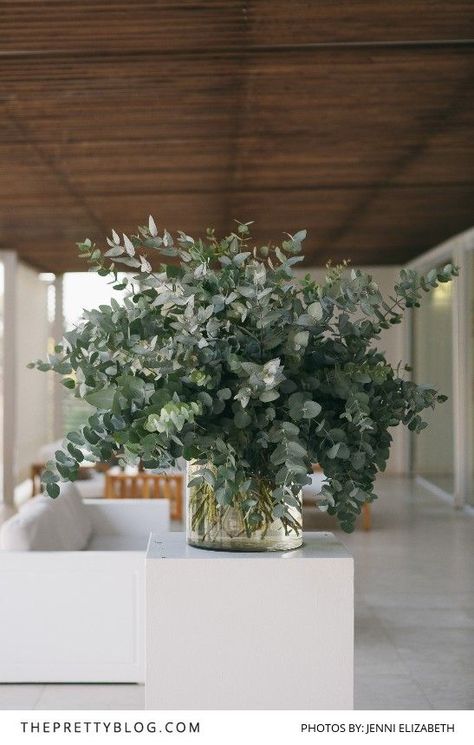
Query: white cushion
[[45, 524], [75, 524], [30, 529]]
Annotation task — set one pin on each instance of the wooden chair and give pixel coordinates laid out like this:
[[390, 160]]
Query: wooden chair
[[144, 485], [366, 516], [36, 470]]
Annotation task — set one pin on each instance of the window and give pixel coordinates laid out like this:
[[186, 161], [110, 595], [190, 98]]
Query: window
[[81, 291]]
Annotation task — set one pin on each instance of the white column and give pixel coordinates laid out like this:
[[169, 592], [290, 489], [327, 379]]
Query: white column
[[462, 376], [9, 393], [58, 331]]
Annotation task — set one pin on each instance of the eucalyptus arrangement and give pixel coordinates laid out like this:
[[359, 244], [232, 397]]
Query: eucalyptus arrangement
[[223, 357]]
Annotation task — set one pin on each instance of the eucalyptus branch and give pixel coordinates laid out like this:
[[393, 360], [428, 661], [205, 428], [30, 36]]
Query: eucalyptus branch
[[224, 356]]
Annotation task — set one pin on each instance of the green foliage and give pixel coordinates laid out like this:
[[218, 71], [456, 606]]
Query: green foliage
[[225, 358]]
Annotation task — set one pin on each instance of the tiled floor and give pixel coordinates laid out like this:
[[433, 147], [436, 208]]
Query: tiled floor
[[414, 602], [414, 613]]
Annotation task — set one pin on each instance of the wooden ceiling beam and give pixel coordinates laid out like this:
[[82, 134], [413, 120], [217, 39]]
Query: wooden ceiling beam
[[104, 26]]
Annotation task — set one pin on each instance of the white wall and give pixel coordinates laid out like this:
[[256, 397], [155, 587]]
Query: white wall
[[392, 342], [32, 386]]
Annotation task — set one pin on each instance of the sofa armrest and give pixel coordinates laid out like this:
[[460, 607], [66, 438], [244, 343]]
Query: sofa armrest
[[128, 516], [72, 616]]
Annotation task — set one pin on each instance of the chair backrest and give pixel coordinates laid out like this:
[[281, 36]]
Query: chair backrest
[[145, 485], [128, 517]]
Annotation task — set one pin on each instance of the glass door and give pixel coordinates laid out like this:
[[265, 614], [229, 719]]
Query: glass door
[[433, 449], [470, 408]]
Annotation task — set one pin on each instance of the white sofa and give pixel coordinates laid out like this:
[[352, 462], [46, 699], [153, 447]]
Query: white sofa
[[72, 590]]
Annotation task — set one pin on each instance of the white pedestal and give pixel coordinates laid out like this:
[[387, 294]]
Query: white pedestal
[[249, 630]]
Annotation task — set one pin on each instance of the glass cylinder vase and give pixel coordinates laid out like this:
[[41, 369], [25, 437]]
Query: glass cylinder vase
[[245, 525]]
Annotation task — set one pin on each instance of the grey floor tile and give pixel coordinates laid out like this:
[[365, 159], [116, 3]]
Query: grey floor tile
[[454, 691], [19, 695], [92, 696], [388, 691], [423, 600], [425, 618]]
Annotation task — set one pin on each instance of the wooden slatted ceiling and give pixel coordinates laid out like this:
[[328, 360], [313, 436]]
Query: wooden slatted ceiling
[[351, 119]]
